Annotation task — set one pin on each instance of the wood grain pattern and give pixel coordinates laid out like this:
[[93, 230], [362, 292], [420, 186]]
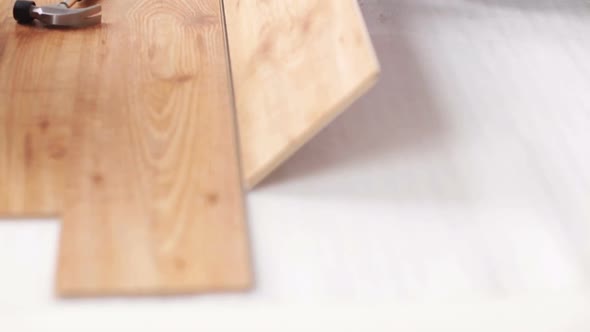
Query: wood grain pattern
[[296, 65], [156, 202], [39, 74], [153, 200]]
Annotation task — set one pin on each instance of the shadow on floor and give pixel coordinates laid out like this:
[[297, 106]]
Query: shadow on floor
[[398, 113]]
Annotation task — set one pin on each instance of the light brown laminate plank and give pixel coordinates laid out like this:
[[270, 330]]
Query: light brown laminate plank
[[153, 201], [296, 65]]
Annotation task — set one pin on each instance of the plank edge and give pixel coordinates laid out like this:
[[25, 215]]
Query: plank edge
[[256, 177]]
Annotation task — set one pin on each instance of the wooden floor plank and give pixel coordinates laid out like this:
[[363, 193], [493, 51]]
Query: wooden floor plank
[[153, 201], [38, 77], [296, 65]]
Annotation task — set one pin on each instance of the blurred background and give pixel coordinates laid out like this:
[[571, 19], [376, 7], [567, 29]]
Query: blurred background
[[466, 170]]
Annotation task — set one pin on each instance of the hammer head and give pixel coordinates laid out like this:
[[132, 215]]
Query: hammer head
[[57, 15]]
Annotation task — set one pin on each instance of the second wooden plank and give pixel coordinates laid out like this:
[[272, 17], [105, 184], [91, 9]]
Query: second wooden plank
[[296, 65]]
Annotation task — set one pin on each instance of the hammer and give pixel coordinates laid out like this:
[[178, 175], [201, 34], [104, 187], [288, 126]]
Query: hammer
[[59, 15]]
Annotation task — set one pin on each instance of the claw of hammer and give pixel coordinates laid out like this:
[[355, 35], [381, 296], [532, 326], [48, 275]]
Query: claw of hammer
[[60, 15]]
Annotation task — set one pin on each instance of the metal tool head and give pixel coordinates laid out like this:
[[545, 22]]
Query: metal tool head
[[57, 15]]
